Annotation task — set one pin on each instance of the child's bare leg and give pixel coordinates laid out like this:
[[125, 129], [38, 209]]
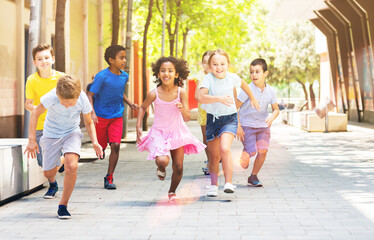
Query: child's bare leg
[[260, 159], [51, 174], [162, 162], [203, 131], [177, 156], [71, 167], [244, 160], [214, 157], [225, 150], [113, 158]]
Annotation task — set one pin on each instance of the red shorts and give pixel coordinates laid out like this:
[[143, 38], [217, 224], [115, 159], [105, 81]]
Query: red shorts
[[109, 130]]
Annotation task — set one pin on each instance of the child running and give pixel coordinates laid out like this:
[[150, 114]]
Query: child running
[[169, 133], [201, 114], [65, 103], [254, 126], [37, 85], [217, 94], [107, 96]]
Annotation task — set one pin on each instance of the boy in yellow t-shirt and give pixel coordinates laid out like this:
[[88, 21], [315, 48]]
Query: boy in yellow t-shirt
[[37, 85]]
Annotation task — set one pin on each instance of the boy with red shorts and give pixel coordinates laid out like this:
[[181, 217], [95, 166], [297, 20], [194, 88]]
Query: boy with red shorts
[[107, 96]]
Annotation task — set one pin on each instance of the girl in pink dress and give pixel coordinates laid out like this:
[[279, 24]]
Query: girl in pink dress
[[169, 133]]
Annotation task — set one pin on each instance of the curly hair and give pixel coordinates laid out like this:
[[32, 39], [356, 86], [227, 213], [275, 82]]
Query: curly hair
[[181, 67], [112, 51], [68, 87]]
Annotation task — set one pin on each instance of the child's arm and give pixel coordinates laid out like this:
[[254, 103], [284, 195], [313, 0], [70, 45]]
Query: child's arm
[[90, 96], [183, 105], [28, 104], [90, 127], [143, 108], [274, 115], [133, 106], [247, 90], [239, 131], [204, 97], [197, 90], [32, 145]]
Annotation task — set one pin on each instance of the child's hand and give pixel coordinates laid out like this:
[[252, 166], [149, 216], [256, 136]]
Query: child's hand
[[254, 104], [240, 133], [31, 148], [134, 106], [269, 121], [139, 132], [98, 149], [227, 100], [179, 106]]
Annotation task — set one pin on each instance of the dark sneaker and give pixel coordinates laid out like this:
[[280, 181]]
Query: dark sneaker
[[253, 180], [63, 212], [52, 191], [108, 182], [61, 169]]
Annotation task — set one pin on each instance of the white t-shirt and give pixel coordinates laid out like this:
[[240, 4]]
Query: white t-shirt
[[220, 87], [61, 121]]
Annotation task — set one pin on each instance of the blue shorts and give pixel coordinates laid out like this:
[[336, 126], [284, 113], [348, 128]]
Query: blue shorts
[[228, 123], [255, 139]]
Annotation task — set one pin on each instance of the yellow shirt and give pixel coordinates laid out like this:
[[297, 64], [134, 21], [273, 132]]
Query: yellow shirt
[[36, 87]]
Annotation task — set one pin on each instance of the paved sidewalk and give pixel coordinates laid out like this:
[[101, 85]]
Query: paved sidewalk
[[316, 186]]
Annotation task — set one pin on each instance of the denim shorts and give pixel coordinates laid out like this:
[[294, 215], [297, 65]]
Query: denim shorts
[[216, 126], [255, 139]]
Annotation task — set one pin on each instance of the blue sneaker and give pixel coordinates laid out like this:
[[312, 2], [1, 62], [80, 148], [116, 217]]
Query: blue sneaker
[[63, 212], [108, 182], [253, 180], [52, 191]]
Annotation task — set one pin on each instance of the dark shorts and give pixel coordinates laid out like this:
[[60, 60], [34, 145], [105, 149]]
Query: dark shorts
[[255, 139], [216, 126]]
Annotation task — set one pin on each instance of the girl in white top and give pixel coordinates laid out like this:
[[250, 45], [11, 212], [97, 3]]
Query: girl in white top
[[217, 95]]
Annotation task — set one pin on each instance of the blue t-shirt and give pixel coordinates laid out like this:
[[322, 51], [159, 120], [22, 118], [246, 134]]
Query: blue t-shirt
[[109, 89], [220, 87], [249, 116], [61, 121]]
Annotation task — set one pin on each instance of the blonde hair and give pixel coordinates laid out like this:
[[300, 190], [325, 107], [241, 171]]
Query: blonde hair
[[68, 87], [219, 52]]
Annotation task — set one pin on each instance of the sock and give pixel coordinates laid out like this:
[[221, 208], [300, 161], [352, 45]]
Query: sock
[[54, 184]]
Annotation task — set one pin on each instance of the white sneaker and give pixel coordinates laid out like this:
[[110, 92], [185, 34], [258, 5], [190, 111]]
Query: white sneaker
[[212, 191], [229, 188]]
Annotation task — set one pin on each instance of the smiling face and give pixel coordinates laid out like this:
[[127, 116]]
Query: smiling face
[[167, 73], [120, 61], [44, 60], [258, 75], [219, 66]]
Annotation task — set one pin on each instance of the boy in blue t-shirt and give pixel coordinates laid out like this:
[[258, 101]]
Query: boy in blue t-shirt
[[253, 125], [106, 96], [65, 103]]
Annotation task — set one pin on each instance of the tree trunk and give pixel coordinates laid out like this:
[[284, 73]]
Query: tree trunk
[[305, 92], [59, 46], [115, 22], [144, 63], [128, 62], [312, 96], [184, 49]]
